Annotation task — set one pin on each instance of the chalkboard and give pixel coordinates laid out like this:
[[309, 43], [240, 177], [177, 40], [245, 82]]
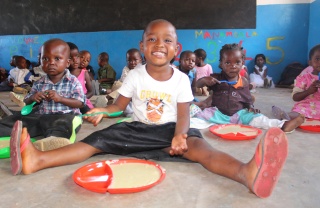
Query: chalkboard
[[62, 16]]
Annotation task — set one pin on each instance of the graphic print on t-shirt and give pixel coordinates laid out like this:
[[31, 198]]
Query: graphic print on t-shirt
[[154, 109]]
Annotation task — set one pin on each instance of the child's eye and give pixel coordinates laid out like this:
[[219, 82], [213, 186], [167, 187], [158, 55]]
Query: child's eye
[[168, 41], [151, 39], [57, 58], [227, 62], [44, 59]]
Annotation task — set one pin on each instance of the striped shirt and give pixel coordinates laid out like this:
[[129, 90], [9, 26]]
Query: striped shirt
[[68, 87]]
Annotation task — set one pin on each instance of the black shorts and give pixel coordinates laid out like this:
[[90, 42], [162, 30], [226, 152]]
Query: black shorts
[[136, 139]]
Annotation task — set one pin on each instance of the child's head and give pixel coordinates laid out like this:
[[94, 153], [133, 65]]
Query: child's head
[[159, 43], [231, 59], [260, 60], [133, 58], [13, 61], [314, 58], [55, 57], [21, 62], [85, 58], [74, 56], [201, 55], [103, 59], [187, 60]]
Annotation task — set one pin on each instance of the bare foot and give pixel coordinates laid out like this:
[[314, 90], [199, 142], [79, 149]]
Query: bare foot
[[289, 126], [29, 155]]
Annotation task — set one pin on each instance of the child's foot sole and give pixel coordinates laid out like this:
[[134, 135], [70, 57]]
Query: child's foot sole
[[273, 153], [51, 143], [15, 154]]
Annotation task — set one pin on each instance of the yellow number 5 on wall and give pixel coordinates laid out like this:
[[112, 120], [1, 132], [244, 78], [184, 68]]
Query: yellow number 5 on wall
[[275, 48]]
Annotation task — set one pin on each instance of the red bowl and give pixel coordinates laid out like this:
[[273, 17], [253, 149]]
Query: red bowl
[[235, 136], [98, 176], [312, 126]]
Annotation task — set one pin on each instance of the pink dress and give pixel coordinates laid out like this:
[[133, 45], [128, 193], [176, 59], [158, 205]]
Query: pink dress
[[82, 79], [203, 71], [310, 106]]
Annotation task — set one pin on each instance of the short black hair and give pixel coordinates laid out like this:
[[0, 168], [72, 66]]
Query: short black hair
[[260, 55], [313, 50], [184, 53], [72, 46], [201, 53], [133, 50], [231, 47]]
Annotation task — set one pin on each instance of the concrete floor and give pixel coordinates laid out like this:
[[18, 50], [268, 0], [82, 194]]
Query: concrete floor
[[186, 184]]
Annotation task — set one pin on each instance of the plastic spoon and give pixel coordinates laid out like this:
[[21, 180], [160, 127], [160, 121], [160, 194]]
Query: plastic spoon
[[229, 82], [114, 114], [27, 109]]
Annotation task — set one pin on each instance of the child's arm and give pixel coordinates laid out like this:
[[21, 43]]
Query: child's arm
[[311, 90], [120, 105], [265, 72], [179, 141], [71, 102], [88, 85], [206, 81]]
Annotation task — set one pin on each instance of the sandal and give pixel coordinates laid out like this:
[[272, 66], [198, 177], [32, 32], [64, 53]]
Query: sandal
[[16, 148], [280, 114], [274, 153]]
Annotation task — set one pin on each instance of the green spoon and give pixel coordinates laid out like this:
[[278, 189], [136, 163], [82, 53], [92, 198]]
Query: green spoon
[[27, 109], [114, 114]]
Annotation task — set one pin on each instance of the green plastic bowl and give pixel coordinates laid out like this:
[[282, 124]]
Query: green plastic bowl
[[5, 152]]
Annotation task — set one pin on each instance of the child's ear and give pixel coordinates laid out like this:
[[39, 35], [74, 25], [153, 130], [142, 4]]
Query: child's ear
[[141, 46], [176, 50], [68, 62]]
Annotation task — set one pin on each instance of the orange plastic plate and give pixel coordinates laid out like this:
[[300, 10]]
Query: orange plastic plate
[[235, 136], [98, 176], [311, 125]]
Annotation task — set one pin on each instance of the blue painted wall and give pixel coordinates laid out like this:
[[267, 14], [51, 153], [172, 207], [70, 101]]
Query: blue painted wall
[[314, 25], [281, 34]]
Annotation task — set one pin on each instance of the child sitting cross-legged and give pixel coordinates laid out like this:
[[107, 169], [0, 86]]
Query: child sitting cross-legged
[[161, 124], [231, 98]]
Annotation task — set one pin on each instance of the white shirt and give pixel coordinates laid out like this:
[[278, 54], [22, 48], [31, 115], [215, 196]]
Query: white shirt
[[155, 102]]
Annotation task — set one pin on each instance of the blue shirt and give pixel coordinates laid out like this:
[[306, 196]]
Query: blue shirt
[[68, 87]]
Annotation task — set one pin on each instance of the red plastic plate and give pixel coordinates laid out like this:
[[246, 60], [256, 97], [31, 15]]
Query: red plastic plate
[[311, 125], [241, 135], [98, 176]]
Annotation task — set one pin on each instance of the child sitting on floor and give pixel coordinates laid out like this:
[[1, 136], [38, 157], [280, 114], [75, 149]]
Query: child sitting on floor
[[202, 69], [231, 98], [306, 92], [187, 63], [134, 59], [161, 123], [21, 79], [260, 73], [59, 96], [106, 74], [76, 69]]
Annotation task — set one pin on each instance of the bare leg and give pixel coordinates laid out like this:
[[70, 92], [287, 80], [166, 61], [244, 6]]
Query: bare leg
[[260, 174], [34, 160], [216, 161], [289, 126]]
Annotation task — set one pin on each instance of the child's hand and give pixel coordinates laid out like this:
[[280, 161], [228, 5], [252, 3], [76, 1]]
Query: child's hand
[[52, 95], [254, 110], [39, 96], [95, 120], [179, 145], [314, 87], [210, 81]]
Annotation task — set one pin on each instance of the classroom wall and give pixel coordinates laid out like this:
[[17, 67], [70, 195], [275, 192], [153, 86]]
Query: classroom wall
[[281, 34], [314, 24]]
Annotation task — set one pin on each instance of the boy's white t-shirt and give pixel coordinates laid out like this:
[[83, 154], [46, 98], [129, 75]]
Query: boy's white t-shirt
[[155, 102]]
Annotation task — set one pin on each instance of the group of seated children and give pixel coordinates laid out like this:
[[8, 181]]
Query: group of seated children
[[161, 114]]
